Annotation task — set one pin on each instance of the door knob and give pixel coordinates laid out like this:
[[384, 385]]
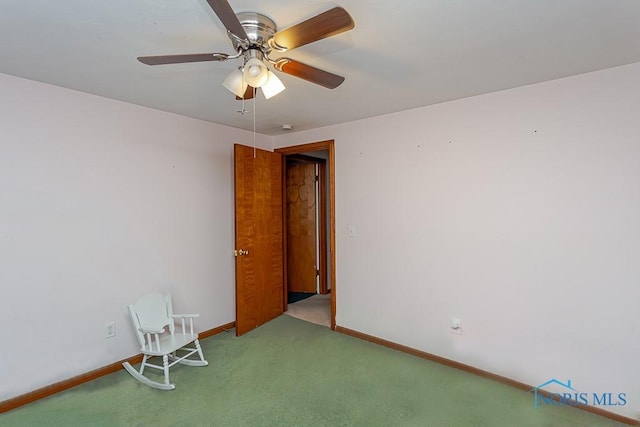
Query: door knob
[[240, 252]]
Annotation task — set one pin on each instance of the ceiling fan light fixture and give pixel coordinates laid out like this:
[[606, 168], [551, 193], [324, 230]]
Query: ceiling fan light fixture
[[255, 72], [273, 86], [235, 83]]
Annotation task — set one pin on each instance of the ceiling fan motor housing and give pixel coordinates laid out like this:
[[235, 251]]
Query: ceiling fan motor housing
[[259, 28]]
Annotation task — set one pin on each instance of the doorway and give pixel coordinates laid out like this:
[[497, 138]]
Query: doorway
[[306, 237], [312, 254]]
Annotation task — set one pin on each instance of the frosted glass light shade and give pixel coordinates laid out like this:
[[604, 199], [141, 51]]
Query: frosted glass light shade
[[273, 86], [235, 83], [255, 72]]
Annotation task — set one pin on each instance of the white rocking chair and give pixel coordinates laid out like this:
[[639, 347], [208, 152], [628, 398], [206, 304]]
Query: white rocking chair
[[151, 314]]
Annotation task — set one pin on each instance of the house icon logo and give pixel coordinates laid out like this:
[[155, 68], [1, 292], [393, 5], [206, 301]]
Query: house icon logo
[[565, 394], [536, 390]]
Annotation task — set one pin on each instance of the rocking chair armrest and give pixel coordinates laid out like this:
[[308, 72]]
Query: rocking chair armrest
[[177, 316], [151, 330]]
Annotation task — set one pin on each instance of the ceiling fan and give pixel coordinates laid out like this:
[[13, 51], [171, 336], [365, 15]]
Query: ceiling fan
[[254, 37]]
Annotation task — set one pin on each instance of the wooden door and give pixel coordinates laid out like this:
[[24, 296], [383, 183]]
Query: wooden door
[[258, 235], [301, 227]]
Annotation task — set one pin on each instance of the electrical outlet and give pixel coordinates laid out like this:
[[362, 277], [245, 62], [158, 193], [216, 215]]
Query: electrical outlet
[[456, 326], [110, 329]]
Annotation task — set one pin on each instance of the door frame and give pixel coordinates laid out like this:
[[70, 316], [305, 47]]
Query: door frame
[[329, 146]]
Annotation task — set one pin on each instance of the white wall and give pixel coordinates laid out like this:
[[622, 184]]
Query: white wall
[[100, 203], [518, 212]]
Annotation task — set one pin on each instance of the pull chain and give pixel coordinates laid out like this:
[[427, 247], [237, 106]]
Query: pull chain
[[254, 121]]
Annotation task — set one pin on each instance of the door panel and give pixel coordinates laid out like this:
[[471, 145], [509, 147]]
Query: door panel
[[301, 227], [258, 210]]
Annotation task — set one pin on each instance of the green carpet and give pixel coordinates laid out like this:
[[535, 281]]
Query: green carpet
[[293, 373]]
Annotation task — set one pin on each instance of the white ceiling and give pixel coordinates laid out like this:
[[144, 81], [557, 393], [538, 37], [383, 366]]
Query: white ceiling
[[401, 54]]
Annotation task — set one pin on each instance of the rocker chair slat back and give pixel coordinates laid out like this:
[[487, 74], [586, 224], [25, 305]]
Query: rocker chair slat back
[[151, 311]]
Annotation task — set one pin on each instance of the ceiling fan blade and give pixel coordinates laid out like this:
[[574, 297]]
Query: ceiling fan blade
[[177, 59], [228, 17], [248, 94], [333, 21], [309, 73]]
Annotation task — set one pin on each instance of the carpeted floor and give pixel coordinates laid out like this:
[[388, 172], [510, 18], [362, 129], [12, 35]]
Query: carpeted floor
[[294, 373]]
